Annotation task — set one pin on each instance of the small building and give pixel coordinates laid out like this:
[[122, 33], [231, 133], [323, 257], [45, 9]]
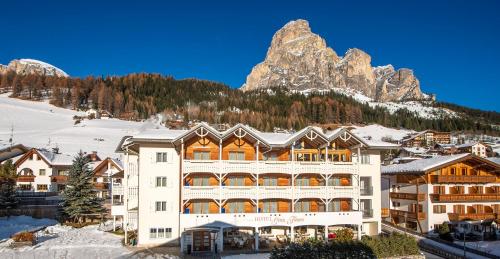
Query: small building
[[103, 170], [476, 148], [41, 170], [426, 138], [423, 194]]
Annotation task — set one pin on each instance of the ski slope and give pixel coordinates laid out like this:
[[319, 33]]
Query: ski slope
[[42, 125]]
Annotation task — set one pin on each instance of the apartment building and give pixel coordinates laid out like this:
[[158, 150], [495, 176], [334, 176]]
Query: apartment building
[[422, 194], [210, 190], [426, 138]]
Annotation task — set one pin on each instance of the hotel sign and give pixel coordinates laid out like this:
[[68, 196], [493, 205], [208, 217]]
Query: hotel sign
[[279, 220]]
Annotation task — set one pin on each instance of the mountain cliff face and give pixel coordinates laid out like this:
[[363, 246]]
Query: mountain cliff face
[[301, 60], [31, 66]]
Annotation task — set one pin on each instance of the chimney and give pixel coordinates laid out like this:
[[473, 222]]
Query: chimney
[[55, 150]]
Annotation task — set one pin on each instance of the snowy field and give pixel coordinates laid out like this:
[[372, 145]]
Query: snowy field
[[378, 132], [39, 124]]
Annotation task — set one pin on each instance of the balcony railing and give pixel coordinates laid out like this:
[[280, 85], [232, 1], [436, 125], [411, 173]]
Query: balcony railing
[[463, 179], [471, 216], [407, 196], [59, 178], [117, 189], [269, 192], [407, 214], [26, 179], [465, 197], [263, 167]]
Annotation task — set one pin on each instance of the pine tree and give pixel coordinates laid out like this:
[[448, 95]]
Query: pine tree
[[79, 198], [8, 199]]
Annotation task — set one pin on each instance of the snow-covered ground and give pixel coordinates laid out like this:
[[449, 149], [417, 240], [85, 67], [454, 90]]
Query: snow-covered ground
[[39, 124], [14, 224], [379, 133]]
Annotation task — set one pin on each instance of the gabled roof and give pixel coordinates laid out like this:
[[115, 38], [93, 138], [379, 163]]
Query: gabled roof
[[421, 133], [266, 138], [9, 152], [423, 166], [49, 157]]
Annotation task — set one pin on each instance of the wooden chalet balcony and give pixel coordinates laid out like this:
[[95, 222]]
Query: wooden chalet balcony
[[26, 179], [407, 196], [463, 179], [471, 216], [491, 197], [385, 212], [407, 214], [101, 186], [59, 178]]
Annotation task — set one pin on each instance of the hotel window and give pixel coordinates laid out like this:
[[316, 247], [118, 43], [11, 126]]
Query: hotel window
[[235, 207], [41, 172], [161, 181], [24, 187], [439, 209], [161, 206], [271, 157], [270, 206], [153, 233], [237, 181], [396, 204], [31, 157], [200, 207], [236, 155], [270, 181], [303, 181], [302, 206], [365, 159], [439, 189], [41, 187], [161, 157], [464, 170], [201, 155], [334, 206], [453, 171], [460, 209], [201, 181]]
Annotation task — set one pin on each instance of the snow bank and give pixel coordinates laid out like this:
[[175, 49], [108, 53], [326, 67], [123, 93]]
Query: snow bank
[[14, 224]]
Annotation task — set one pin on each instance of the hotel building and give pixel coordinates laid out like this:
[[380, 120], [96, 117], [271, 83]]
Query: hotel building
[[207, 190], [423, 194]]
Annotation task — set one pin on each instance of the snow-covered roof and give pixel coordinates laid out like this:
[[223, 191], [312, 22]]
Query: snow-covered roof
[[466, 145], [421, 165], [56, 158], [266, 138], [415, 150], [494, 159]]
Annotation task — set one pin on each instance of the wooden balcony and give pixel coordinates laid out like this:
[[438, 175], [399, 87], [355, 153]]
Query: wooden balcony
[[385, 212], [492, 197], [407, 214], [59, 178], [26, 179], [101, 186], [463, 179], [407, 196], [471, 216]]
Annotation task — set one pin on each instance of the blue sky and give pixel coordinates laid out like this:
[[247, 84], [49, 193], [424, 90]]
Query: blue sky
[[453, 46]]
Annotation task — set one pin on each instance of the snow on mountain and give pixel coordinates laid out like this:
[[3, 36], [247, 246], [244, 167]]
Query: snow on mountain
[[419, 108], [32, 66], [41, 125]]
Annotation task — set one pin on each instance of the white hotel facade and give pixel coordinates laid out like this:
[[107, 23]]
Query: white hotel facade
[[207, 190]]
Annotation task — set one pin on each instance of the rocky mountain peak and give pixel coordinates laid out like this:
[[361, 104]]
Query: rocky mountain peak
[[32, 66], [300, 60]]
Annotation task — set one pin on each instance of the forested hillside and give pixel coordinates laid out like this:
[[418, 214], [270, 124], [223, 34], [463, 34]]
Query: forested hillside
[[138, 96]]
